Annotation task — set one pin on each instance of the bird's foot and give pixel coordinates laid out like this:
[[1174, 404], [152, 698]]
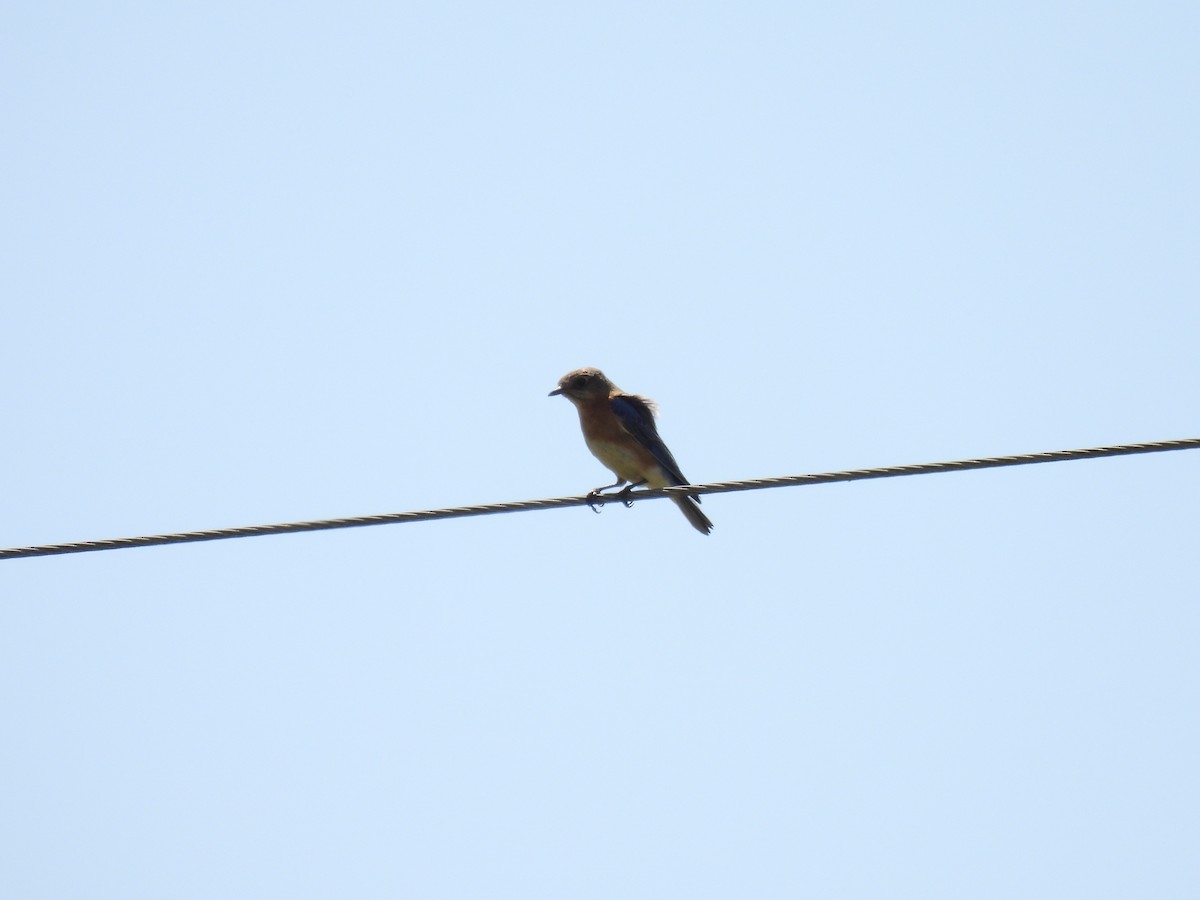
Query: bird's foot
[[593, 496]]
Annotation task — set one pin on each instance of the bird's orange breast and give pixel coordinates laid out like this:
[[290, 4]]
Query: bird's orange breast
[[615, 447]]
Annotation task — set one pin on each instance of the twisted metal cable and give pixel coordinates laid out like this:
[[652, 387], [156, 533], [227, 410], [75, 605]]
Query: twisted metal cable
[[719, 487]]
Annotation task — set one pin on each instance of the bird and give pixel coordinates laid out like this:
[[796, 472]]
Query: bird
[[619, 429]]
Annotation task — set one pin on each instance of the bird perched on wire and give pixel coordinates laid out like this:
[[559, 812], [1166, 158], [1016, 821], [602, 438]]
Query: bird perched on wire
[[619, 429]]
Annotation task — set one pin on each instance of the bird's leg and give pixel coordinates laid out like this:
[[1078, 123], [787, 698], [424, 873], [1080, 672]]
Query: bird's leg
[[595, 492], [624, 495]]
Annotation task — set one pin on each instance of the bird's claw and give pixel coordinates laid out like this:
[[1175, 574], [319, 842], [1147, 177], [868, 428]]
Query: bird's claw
[[594, 501]]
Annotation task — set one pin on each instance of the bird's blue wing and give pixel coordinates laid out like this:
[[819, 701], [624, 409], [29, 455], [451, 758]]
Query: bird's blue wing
[[637, 417]]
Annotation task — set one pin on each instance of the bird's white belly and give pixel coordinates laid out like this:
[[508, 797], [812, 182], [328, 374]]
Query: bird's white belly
[[623, 462], [627, 463]]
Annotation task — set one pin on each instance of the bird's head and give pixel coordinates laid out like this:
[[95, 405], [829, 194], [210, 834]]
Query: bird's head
[[583, 384]]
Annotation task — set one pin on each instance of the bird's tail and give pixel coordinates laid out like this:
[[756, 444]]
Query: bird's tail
[[690, 509]]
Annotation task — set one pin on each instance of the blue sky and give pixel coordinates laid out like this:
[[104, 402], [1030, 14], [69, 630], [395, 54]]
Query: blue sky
[[264, 262]]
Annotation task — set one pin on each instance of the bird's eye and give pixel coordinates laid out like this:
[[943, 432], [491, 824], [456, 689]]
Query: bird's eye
[[578, 381]]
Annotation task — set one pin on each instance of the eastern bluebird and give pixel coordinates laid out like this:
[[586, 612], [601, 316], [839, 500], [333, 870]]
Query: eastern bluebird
[[619, 430]]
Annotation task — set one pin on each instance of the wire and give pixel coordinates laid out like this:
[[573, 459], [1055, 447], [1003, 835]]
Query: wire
[[720, 487]]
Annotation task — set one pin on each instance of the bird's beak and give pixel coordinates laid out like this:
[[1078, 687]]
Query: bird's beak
[[555, 392]]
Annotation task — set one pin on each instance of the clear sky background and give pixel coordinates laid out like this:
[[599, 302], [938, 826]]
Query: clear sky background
[[263, 262]]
